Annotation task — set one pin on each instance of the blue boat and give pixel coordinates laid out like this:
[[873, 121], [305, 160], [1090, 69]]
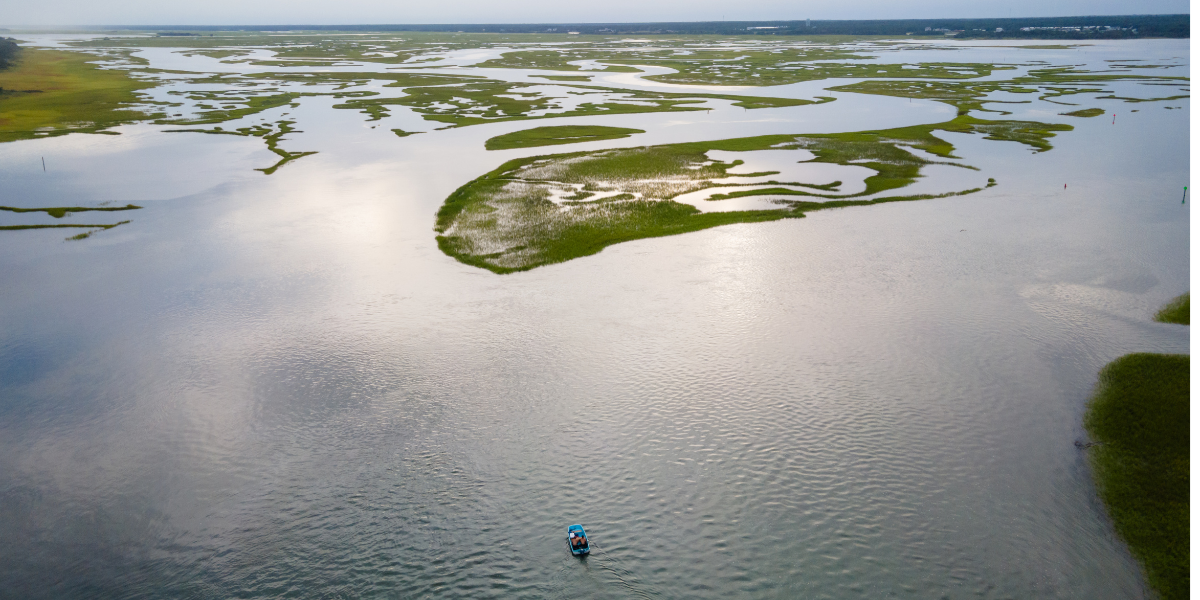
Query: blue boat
[[577, 540]]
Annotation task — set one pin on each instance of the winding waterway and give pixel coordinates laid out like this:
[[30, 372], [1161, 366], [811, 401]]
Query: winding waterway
[[278, 385]]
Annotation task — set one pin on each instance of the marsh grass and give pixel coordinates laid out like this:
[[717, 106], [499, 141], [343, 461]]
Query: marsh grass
[[1177, 311], [285, 127], [1140, 418], [477, 102], [774, 68], [1048, 83], [1087, 112], [346, 80], [551, 60], [55, 92], [551, 136], [489, 102], [565, 77], [242, 107], [965, 96], [741, 66], [1163, 99], [546, 209], [270, 135], [94, 227], [59, 212]]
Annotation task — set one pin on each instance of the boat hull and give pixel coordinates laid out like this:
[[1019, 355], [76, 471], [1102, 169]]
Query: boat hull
[[579, 532]]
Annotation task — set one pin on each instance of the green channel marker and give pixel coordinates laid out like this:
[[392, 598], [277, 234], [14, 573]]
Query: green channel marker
[[1184, 201]]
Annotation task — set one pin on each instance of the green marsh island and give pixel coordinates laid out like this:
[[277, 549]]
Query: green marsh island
[[553, 136], [1139, 421], [546, 209]]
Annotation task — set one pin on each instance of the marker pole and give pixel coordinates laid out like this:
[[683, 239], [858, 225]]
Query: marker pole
[[1184, 201], [43, 164]]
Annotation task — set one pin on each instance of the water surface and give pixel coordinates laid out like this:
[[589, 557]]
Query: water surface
[[278, 385]]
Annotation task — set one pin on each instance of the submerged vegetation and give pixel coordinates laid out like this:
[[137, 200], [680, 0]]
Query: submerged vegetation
[[1139, 423], [551, 136], [547, 209]]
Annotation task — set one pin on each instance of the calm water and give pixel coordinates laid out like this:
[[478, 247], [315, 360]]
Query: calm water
[[278, 386]]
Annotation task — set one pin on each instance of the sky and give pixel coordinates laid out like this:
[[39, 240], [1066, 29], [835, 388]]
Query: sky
[[59, 13]]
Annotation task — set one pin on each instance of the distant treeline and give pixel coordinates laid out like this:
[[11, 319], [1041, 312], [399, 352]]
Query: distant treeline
[[8, 52], [1121, 26]]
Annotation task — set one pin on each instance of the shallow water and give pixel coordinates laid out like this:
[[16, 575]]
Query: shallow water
[[278, 385]]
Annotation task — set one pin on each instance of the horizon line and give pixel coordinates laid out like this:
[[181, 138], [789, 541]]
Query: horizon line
[[294, 26]]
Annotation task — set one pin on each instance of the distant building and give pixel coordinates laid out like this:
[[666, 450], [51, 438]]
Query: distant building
[[999, 30], [1079, 29], [928, 29]]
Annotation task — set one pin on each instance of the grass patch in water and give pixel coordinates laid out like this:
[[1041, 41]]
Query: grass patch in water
[[546, 209], [1115, 97], [550, 60], [966, 96], [85, 235], [1051, 82], [242, 108], [270, 135], [480, 102], [285, 127], [1140, 420], [565, 77], [56, 92], [491, 101], [1177, 311], [345, 80], [775, 68], [59, 212], [738, 66], [1087, 112], [552, 136], [1042, 47]]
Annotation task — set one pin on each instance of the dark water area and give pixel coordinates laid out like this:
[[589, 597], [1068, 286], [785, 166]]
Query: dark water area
[[279, 386]]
